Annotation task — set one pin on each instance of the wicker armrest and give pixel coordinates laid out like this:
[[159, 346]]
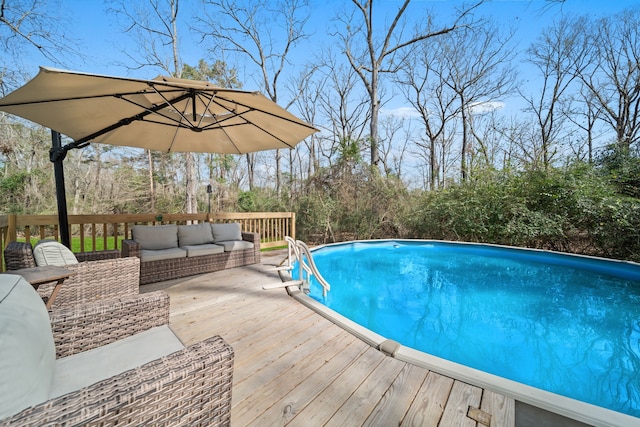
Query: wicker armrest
[[86, 326], [188, 387], [130, 248], [97, 255], [255, 239], [251, 237]]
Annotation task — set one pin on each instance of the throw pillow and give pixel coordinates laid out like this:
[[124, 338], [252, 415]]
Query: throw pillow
[[50, 252], [226, 232]]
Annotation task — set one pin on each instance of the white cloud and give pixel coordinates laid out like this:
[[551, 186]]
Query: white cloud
[[480, 107], [483, 107], [404, 112]]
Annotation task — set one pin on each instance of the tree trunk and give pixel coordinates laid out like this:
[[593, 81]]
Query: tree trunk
[[191, 199], [465, 142], [375, 109], [152, 188], [278, 173], [250, 169]]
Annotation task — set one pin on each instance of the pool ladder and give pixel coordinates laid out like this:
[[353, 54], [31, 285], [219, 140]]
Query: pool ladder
[[299, 251]]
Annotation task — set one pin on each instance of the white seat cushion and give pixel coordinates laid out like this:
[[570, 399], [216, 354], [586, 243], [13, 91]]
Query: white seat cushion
[[199, 250], [50, 252], [27, 350], [235, 245], [161, 254], [83, 369]]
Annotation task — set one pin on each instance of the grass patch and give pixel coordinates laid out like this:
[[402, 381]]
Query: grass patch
[[75, 244]]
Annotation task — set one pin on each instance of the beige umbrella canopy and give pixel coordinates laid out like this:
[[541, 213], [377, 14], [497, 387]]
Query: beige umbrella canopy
[[164, 114]]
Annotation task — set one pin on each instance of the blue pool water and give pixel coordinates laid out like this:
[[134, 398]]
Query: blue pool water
[[565, 324]]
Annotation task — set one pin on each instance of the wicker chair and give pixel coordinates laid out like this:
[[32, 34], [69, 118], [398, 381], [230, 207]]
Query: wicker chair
[[98, 275], [188, 387]]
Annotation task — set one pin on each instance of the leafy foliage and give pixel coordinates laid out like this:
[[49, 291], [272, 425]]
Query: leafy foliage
[[574, 209]]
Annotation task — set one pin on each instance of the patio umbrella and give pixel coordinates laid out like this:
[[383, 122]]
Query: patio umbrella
[[165, 114]]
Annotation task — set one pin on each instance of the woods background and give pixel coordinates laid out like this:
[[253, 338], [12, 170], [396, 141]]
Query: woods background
[[561, 171]]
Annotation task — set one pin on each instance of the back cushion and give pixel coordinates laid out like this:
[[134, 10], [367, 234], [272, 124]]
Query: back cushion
[[156, 236], [27, 351], [50, 252], [196, 234], [226, 232]]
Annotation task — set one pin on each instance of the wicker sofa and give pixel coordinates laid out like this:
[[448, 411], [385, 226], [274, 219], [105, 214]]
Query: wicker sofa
[[172, 251], [98, 368]]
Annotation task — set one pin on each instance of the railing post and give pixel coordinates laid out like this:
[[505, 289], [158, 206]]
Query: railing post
[[293, 225], [12, 232]]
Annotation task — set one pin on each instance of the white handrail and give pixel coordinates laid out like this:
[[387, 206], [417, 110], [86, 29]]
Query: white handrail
[[300, 250]]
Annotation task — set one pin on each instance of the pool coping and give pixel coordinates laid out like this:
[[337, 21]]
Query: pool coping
[[552, 402]]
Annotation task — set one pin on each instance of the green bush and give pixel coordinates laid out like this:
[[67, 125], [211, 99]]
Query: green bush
[[572, 209]]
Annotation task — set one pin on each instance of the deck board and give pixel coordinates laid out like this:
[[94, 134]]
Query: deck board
[[327, 403], [294, 367], [430, 401], [395, 402], [356, 409]]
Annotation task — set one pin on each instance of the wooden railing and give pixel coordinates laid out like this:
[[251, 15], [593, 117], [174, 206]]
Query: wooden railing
[[104, 232]]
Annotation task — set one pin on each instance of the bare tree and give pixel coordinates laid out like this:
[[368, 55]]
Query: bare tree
[[393, 147], [371, 56], [614, 78], [310, 88], [264, 33], [346, 111], [584, 112], [559, 54], [478, 69], [421, 78], [31, 26]]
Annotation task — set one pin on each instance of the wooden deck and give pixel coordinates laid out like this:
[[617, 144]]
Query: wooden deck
[[294, 367]]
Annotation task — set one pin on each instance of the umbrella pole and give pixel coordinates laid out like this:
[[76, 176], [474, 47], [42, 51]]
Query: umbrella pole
[[57, 155]]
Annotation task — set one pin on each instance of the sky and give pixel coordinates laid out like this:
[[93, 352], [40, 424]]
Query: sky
[[100, 38]]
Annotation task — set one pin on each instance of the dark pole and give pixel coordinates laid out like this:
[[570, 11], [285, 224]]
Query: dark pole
[[57, 155], [209, 191]]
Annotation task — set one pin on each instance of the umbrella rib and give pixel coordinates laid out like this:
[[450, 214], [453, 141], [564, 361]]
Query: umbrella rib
[[170, 103], [241, 115], [129, 120], [121, 95], [250, 108], [210, 101]]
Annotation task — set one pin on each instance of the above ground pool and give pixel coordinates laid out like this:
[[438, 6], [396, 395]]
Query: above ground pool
[[566, 324]]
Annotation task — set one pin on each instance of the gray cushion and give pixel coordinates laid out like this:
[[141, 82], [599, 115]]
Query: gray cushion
[[162, 254], [235, 245], [27, 351], [226, 232], [50, 252], [199, 250], [83, 369], [155, 236], [195, 234]]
